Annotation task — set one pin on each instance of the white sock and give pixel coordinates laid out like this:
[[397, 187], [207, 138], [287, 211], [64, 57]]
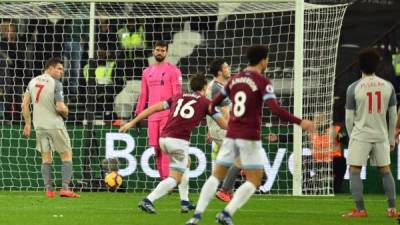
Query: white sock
[[241, 196], [184, 186], [162, 189], [207, 193]]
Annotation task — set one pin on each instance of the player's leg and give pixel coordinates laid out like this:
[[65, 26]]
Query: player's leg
[[251, 156], [225, 193], [225, 159], [62, 144], [46, 170], [43, 146], [214, 152], [164, 172], [162, 159], [358, 156], [183, 188], [380, 157], [178, 150]]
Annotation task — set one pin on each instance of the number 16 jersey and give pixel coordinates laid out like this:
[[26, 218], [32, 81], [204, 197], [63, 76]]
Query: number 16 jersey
[[187, 111], [45, 91]]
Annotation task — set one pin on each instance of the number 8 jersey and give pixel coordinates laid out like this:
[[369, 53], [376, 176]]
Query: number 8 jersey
[[247, 91], [45, 91], [187, 111]]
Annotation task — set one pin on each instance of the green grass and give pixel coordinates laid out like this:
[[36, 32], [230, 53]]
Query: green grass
[[32, 208]]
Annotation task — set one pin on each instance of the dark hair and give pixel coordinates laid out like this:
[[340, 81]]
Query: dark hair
[[161, 44], [256, 53], [52, 62], [216, 65], [368, 60], [197, 82]]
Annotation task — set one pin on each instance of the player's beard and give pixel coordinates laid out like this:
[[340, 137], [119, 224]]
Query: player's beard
[[159, 58]]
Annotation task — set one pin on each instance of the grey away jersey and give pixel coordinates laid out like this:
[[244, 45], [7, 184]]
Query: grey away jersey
[[370, 97], [213, 89], [45, 91]]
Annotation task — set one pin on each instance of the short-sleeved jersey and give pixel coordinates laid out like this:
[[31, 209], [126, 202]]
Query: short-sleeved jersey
[[213, 89], [370, 97], [187, 111], [45, 91], [247, 92]]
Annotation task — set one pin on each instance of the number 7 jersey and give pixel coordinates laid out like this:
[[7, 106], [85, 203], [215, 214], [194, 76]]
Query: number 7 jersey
[[45, 91], [187, 111]]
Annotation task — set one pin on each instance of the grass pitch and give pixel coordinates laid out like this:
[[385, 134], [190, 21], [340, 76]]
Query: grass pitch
[[33, 208]]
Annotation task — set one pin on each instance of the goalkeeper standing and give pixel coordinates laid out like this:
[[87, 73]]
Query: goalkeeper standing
[[45, 92], [160, 81]]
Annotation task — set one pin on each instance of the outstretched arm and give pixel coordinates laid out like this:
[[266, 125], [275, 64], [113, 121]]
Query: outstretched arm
[[144, 114], [285, 115], [26, 114], [143, 95]]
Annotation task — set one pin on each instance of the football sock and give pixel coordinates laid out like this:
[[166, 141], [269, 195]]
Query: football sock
[[356, 188], [390, 189], [230, 178], [46, 174], [162, 189], [66, 173], [207, 193], [241, 196], [184, 186]]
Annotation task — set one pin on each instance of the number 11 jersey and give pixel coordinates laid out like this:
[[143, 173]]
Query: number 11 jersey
[[370, 97]]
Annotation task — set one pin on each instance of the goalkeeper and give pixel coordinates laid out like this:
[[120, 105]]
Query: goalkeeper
[[220, 69], [160, 81]]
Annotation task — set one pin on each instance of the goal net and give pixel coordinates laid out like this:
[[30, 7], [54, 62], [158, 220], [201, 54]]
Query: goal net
[[105, 47]]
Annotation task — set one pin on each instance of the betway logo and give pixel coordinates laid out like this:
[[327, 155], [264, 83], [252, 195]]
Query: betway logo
[[271, 169]]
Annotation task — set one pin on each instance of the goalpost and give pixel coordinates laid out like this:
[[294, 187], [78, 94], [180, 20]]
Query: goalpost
[[303, 41]]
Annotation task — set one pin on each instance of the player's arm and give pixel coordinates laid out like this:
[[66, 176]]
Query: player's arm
[[177, 82], [392, 125], [269, 98], [350, 108], [283, 114], [143, 94], [26, 102], [221, 121], [61, 108], [392, 113], [217, 100], [144, 114], [397, 130]]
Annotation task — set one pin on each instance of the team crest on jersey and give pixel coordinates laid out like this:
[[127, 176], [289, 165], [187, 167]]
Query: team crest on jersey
[[269, 88]]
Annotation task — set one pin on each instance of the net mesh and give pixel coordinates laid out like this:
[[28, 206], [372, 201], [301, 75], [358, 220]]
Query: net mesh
[[124, 35]]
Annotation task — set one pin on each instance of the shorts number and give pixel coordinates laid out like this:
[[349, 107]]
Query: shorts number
[[239, 101], [186, 111]]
